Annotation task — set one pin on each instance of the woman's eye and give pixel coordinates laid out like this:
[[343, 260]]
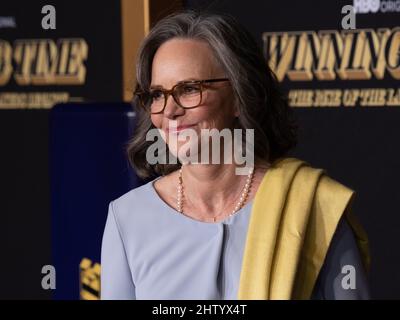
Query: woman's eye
[[190, 89], [156, 95]]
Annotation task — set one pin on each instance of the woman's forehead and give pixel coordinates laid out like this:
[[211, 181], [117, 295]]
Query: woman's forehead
[[180, 59]]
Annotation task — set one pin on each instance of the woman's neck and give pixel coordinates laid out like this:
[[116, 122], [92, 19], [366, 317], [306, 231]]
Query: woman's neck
[[211, 189]]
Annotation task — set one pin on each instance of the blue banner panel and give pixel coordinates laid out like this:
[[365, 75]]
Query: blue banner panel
[[88, 169]]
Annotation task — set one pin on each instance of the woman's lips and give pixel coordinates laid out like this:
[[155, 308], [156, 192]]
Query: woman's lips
[[178, 128]]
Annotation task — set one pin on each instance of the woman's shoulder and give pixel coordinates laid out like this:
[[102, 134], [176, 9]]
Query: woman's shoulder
[[305, 171], [135, 200], [141, 192]]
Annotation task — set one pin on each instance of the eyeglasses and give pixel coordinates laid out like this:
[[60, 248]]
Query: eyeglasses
[[187, 94]]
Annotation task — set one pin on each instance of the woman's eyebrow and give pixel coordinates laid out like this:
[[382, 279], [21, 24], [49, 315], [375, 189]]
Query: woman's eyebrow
[[158, 86], [188, 79]]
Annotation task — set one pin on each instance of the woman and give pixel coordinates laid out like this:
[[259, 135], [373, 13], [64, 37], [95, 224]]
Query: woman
[[188, 234]]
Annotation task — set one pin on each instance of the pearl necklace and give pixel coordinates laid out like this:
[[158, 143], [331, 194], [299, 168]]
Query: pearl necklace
[[238, 206]]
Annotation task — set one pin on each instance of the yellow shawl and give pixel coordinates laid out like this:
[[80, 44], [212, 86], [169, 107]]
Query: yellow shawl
[[295, 213]]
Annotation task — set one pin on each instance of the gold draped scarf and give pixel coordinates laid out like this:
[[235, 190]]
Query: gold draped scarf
[[295, 213]]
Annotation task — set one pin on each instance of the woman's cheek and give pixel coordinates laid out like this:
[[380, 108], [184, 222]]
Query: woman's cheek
[[156, 120]]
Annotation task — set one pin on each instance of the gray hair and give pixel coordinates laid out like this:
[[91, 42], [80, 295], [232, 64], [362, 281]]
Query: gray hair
[[261, 105]]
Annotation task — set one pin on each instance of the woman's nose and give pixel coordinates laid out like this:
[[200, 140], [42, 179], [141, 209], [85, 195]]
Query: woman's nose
[[172, 109]]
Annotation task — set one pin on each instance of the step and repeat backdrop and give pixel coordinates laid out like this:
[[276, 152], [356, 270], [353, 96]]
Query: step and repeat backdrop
[[57, 56], [52, 52], [339, 63], [66, 75], [79, 54]]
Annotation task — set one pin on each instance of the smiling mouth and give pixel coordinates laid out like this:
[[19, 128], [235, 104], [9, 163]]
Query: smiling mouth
[[179, 128]]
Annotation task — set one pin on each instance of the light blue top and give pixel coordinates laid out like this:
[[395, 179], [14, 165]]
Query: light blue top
[[151, 251]]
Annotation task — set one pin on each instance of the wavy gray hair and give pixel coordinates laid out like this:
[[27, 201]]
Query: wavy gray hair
[[261, 105]]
